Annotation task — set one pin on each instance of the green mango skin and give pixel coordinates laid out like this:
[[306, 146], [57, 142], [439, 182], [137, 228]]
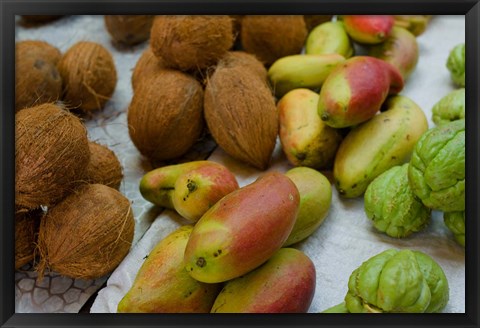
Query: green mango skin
[[315, 200], [329, 38], [242, 230], [416, 24], [356, 89], [392, 206], [157, 186], [306, 140], [199, 189], [284, 284], [301, 71], [400, 49], [368, 29], [450, 108], [437, 168], [455, 221], [373, 147], [163, 286]]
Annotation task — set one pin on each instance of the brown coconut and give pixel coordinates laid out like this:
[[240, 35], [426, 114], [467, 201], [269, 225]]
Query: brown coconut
[[51, 155], [244, 60], [26, 229], [191, 42], [129, 29], [86, 235], [273, 37], [89, 76], [165, 116], [104, 167], [147, 65], [241, 115], [313, 21], [37, 79]]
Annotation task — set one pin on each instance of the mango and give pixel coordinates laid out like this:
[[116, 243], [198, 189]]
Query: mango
[[199, 189], [368, 29], [157, 186], [284, 284], [243, 229], [375, 146], [315, 200], [301, 71], [306, 140], [163, 286], [416, 24], [356, 89], [400, 49], [329, 38]]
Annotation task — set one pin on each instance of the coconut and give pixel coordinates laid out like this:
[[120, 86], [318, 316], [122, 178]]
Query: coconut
[[104, 167], [241, 115], [89, 76], [165, 116], [244, 60], [191, 42], [39, 19], [26, 229], [51, 155], [37, 79], [129, 29], [87, 234], [313, 21], [273, 37], [147, 65]]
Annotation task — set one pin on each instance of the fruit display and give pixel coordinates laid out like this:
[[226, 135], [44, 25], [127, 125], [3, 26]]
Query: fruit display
[[240, 164]]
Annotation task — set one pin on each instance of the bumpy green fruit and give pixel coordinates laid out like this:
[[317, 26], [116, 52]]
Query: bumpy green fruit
[[392, 205], [455, 221], [396, 281], [329, 38], [284, 284], [449, 108], [456, 64], [437, 168], [315, 199]]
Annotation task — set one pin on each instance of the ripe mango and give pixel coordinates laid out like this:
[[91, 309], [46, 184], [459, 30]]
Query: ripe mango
[[315, 199], [157, 186], [163, 286], [356, 89], [400, 49], [329, 38], [301, 71], [368, 29], [242, 230], [199, 189], [284, 284], [306, 140], [373, 147]]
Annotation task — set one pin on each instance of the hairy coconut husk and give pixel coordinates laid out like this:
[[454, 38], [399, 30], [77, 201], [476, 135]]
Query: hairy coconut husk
[[33, 20], [191, 42], [165, 116], [129, 29], [104, 167], [51, 155], [244, 60], [89, 76], [26, 229], [87, 234], [313, 21], [241, 115], [273, 37], [37, 79], [147, 65]]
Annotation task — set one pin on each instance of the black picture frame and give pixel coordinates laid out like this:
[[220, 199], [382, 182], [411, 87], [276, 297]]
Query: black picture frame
[[10, 8]]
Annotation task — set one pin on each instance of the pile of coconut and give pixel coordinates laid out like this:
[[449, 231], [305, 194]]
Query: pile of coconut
[[207, 74], [70, 216]]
